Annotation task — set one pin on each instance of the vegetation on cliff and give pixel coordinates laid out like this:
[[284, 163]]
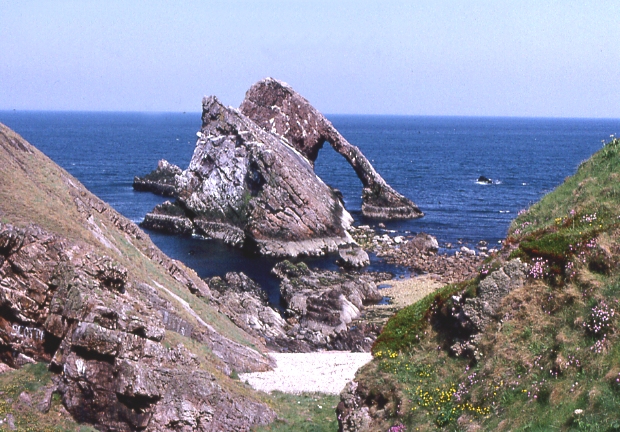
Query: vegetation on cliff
[[132, 338], [547, 358]]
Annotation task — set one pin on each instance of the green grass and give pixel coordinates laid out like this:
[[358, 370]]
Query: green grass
[[308, 412], [408, 325], [32, 379], [545, 365]]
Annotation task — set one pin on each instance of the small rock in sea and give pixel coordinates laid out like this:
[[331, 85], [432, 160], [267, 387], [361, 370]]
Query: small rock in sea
[[468, 251], [483, 179]]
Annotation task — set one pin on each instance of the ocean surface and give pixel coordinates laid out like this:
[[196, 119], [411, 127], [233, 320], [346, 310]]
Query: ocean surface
[[434, 161]]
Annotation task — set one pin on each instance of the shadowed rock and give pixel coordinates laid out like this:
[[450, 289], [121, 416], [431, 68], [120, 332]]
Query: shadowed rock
[[277, 108]]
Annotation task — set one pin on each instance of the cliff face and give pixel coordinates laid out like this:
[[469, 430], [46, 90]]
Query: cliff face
[[276, 107], [246, 186], [83, 289]]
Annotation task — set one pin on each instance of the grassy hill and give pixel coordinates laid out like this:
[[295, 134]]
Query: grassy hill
[[549, 359]]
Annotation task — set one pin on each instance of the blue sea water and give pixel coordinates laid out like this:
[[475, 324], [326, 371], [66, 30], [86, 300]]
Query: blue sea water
[[435, 161]]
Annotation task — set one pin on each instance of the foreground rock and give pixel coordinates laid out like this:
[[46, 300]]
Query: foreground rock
[[130, 335], [322, 305], [474, 314], [279, 109], [248, 188], [323, 309]]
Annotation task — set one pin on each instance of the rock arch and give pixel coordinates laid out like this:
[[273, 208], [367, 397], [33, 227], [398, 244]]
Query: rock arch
[[277, 108]]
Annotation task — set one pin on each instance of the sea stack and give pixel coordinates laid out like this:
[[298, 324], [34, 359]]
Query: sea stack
[[251, 180], [248, 187], [276, 107]]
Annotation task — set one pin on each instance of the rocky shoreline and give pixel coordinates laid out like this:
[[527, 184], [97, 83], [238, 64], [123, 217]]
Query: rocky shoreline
[[339, 310]]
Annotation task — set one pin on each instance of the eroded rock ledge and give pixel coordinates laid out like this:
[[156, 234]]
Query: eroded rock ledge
[[162, 181]]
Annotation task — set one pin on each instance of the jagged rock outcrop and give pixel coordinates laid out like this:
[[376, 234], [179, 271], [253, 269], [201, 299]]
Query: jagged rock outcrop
[[352, 412], [323, 309], [277, 108], [84, 290], [161, 181], [474, 314], [65, 304], [321, 306], [247, 187], [247, 305]]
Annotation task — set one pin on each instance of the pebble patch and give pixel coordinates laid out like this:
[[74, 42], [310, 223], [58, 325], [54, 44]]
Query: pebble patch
[[321, 372]]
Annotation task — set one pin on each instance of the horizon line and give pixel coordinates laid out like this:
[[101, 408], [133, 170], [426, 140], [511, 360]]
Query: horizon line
[[524, 117]]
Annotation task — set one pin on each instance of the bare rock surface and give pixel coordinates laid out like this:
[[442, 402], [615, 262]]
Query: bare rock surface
[[323, 309], [352, 256], [279, 109], [249, 188], [474, 314]]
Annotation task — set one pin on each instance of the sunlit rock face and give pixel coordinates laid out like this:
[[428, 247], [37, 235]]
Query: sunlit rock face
[[248, 187], [277, 108]]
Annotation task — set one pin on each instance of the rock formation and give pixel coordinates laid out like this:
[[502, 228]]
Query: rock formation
[[84, 290], [277, 108], [474, 314], [321, 305], [321, 308], [162, 181], [247, 187], [251, 180]]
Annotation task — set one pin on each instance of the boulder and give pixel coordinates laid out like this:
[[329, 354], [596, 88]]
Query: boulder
[[423, 243], [352, 256], [277, 108]]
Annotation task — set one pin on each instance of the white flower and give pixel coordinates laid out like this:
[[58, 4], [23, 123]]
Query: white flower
[[578, 412]]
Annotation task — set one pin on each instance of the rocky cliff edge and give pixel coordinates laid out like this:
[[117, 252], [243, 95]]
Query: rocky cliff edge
[[133, 338]]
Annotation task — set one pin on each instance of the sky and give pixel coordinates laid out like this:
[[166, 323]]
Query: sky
[[466, 58]]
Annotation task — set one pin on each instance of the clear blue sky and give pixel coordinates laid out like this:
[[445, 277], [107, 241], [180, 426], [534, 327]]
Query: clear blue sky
[[497, 58]]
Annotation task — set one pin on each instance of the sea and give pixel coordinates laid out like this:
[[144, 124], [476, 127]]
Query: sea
[[434, 161]]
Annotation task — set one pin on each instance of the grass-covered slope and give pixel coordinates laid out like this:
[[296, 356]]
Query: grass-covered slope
[[550, 358], [34, 190], [37, 196]]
